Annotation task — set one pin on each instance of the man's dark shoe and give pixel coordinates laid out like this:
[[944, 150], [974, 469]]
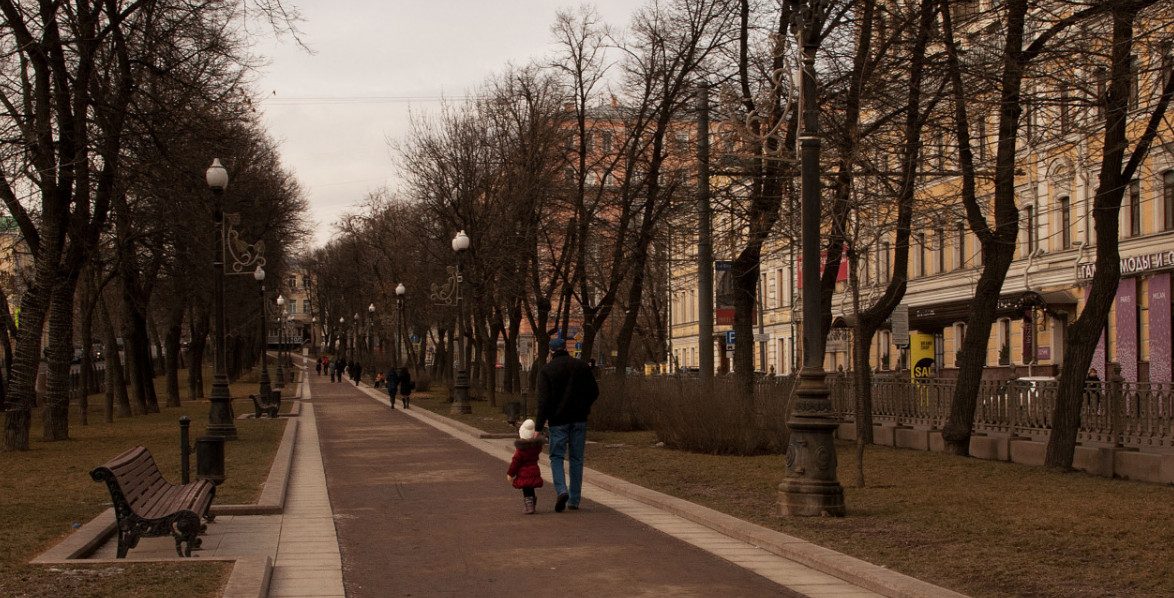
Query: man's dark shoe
[[561, 503], [573, 507]]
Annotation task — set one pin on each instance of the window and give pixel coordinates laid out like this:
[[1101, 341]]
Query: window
[[961, 244], [1134, 83], [1101, 76], [884, 261], [292, 283], [1065, 117], [1134, 208], [607, 139], [959, 339], [1167, 67], [306, 306], [1030, 211], [921, 253], [1065, 223], [1004, 341], [1028, 121], [941, 247], [1168, 200], [980, 137]]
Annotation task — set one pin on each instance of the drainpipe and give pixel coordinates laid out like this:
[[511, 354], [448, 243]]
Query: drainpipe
[[1027, 287]]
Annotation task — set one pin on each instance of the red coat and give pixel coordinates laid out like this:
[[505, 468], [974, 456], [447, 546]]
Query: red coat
[[525, 463]]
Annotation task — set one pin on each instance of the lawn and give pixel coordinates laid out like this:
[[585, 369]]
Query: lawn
[[483, 417], [979, 527], [47, 490]]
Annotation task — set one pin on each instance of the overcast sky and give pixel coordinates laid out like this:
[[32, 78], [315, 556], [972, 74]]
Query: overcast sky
[[374, 63]]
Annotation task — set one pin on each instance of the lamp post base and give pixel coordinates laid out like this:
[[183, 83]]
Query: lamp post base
[[460, 394], [220, 415], [811, 488]]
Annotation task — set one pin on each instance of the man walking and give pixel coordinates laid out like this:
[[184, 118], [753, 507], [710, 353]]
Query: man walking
[[566, 390]]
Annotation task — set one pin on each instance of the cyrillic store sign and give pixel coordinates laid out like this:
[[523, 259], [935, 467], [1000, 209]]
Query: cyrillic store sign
[[1134, 264]]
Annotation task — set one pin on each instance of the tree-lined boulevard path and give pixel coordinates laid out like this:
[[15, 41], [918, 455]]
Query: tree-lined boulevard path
[[419, 512]]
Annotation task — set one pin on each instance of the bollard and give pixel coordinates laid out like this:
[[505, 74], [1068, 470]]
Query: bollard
[[185, 450], [210, 459]]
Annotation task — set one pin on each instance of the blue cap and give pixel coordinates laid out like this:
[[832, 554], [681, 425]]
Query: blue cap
[[558, 344]]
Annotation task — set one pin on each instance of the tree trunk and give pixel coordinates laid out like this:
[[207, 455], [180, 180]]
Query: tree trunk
[[198, 324], [55, 415], [1082, 337], [86, 376], [171, 354], [26, 363], [115, 375]]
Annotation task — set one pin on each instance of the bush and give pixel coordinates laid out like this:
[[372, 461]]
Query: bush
[[624, 404], [687, 417]]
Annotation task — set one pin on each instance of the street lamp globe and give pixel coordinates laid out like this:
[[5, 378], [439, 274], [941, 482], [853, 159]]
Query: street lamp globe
[[281, 300], [371, 308], [356, 317], [342, 320], [259, 274], [460, 242], [216, 176], [400, 289]]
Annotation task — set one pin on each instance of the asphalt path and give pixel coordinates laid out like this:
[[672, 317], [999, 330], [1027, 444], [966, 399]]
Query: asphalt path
[[420, 513]]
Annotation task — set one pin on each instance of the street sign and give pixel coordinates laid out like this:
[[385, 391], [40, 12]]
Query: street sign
[[900, 320], [762, 337], [723, 265]]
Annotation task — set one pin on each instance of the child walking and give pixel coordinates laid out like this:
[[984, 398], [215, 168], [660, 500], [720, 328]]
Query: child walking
[[523, 471]]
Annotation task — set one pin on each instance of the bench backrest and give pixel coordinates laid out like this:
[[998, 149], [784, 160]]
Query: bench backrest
[[133, 479]]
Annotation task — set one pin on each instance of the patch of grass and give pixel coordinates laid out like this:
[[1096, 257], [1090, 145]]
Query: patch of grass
[[484, 417], [980, 527], [48, 488]]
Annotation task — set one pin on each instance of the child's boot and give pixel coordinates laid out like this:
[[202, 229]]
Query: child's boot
[[529, 503]]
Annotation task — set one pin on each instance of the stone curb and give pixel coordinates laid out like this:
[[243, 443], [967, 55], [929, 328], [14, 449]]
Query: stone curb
[[853, 570], [272, 500]]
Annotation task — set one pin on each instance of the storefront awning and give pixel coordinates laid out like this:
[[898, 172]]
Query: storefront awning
[[944, 314]]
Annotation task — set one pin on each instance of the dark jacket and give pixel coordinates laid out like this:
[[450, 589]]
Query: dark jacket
[[405, 382], [392, 381], [564, 370], [524, 465]]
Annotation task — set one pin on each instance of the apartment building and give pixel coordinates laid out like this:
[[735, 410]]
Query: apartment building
[[1046, 286]]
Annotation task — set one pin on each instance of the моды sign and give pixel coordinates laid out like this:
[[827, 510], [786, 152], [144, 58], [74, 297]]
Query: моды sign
[[1134, 264]]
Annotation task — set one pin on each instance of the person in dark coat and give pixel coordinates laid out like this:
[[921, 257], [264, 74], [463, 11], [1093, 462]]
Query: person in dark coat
[[339, 369], [406, 385], [524, 472], [358, 373], [392, 379], [566, 391]]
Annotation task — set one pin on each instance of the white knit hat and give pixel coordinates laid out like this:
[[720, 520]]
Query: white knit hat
[[527, 431]]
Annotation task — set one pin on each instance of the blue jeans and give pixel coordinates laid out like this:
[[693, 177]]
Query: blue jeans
[[572, 437]]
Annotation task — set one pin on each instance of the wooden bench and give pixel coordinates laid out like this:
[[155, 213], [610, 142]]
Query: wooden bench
[[266, 407], [146, 504]]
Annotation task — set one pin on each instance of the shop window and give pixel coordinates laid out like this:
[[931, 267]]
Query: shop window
[[959, 340]]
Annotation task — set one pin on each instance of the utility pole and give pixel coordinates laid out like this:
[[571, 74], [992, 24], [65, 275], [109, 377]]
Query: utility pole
[[704, 241]]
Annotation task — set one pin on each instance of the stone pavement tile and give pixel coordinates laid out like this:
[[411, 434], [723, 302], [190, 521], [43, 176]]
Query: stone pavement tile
[[283, 585]]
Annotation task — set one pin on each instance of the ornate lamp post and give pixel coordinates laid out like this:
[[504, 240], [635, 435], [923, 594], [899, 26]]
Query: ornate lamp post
[[811, 488], [450, 294], [280, 342], [400, 291], [265, 390], [342, 346], [355, 348], [313, 331], [220, 416]]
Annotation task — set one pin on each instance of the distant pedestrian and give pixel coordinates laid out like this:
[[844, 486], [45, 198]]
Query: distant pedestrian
[[325, 364], [523, 472], [378, 379], [406, 386], [1092, 389], [392, 385], [358, 373], [318, 368], [566, 391], [339, 369]]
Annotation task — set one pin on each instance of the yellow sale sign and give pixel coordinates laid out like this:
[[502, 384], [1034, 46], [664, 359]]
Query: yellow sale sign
[[921, 355]]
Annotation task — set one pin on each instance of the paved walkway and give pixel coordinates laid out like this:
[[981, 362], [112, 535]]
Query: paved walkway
[[419, 512]]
